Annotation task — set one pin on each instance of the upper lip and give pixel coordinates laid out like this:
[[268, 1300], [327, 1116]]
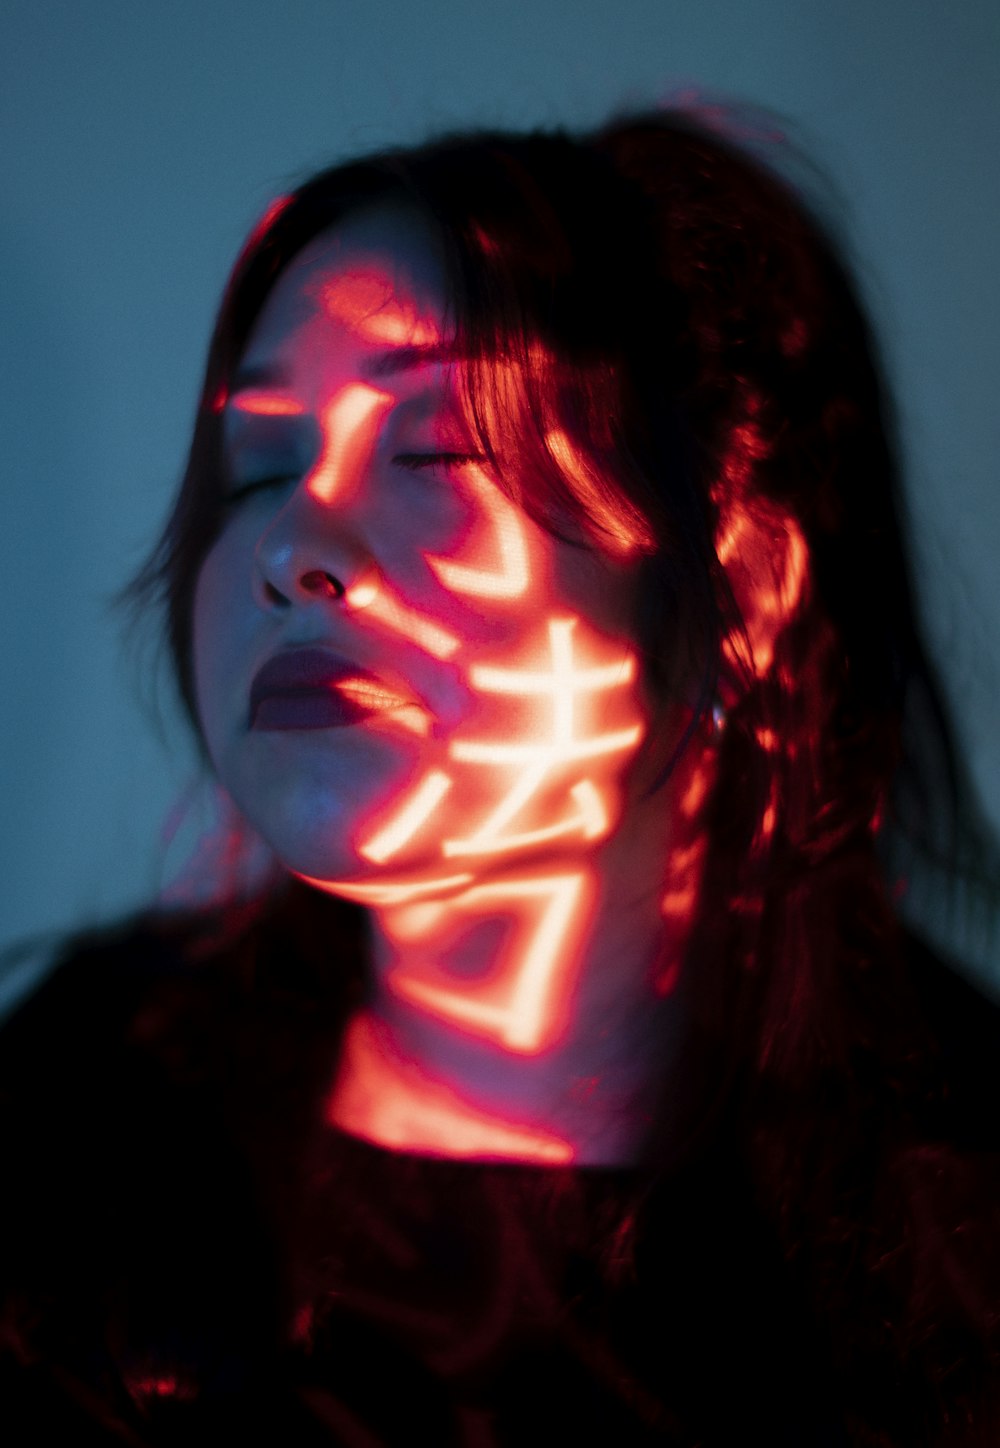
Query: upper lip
[[297, 670]]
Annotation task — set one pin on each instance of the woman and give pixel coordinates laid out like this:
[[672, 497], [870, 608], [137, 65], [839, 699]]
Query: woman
[[535, 585]]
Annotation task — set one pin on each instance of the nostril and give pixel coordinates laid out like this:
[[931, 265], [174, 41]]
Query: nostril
[[316, 581]]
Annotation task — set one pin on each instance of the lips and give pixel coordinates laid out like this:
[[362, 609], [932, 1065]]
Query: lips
[[312, 688]]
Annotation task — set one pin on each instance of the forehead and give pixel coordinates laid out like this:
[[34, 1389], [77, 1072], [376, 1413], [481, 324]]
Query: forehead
[[376, 280]]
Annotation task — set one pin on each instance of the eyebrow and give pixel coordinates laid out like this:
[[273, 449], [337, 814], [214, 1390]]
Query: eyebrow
[[246, 379], [384, 364], [407, 359]]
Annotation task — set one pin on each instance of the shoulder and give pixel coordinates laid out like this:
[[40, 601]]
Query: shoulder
[[151, 1089], [86, 989]]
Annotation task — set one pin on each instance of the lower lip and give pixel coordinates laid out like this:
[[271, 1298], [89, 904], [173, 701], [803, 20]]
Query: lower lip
[[308, 709]]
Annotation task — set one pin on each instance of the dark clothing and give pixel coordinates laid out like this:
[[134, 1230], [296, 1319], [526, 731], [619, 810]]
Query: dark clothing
[[189, 1256]]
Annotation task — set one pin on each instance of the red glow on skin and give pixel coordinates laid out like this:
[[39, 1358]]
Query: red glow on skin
[[382, 1096], [413, 812], [533, 762], [521, 1003], [524, 1002], [394, 711], [266, 404], [504, 570], [492, 831], [365, 301], [349, 425], [558, 679], [385, 608], [392, 892], [492, 828]]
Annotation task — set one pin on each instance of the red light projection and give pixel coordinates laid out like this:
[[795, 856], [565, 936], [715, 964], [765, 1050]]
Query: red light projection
[[412, 814], [523, 1002], [492, 833], [263, 226], [620, 528], [266, 404], [754, 548], [366, 301], [684, 864], [761, 548], [567, 719], [505, 572], [395, 709], [510, 809], [507, 795], [349, 429], [383, 1095], [383, 606], [349, 424], [559, 680], [552, 783]]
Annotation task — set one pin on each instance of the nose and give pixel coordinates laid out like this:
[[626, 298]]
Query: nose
[[307, 553], [319, 544]]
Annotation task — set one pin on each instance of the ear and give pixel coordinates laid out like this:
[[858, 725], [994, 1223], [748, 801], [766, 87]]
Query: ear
[[766, 560]]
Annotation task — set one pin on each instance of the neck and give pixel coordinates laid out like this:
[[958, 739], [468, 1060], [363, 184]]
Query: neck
[[531, 1014]]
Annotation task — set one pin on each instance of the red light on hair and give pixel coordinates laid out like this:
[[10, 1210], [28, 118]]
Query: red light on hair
[[621, 528], [270, 216], [795, 338]]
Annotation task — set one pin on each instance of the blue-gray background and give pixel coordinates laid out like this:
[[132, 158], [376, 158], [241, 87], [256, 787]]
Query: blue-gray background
[[138, 142]]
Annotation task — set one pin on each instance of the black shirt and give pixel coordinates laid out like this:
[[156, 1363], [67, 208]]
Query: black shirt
[[189, 1255]]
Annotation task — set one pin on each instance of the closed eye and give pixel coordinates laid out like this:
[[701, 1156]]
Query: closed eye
[[416, 462], [258, 485]]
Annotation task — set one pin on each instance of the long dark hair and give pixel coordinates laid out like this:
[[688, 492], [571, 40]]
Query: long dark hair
[[707, 352]]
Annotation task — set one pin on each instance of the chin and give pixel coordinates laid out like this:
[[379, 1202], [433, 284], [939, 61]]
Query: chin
[[317, 836], [313, 806], [322, 848]]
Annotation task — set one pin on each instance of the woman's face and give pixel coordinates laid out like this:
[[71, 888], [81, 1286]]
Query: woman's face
[[399, 675]]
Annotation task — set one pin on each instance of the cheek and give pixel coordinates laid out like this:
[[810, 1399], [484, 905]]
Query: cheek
[[221, 619]]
